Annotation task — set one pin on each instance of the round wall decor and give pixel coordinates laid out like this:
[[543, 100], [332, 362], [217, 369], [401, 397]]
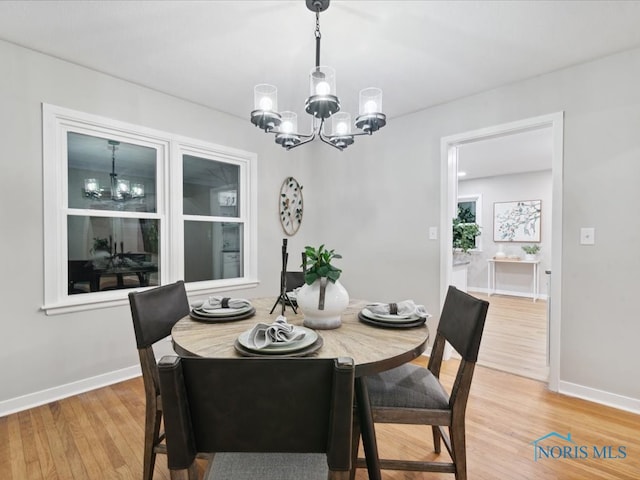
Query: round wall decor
[[291, 205]]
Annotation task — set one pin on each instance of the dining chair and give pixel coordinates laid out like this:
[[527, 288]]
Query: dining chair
[[265, 418], [294, 280], [154, 313], [411, 394]]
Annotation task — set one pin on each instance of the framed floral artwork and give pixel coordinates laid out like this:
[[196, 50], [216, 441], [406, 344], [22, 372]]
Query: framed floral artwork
[[517, 221]]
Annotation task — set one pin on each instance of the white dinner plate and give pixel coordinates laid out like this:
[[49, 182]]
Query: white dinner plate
[[310, 336], [389, 317], [223, 312]]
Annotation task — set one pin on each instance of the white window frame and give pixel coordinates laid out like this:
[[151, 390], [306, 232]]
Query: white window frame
[[477, 199], [57, 122]]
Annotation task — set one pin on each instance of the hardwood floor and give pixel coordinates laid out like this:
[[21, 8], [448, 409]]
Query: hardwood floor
[[98, 435], [515, 336]]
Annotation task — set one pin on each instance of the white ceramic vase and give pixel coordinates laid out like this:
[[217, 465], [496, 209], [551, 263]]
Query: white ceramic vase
[[530, 256], [336, 300]]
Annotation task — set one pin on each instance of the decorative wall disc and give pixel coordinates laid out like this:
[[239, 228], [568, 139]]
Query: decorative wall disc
[[291, 205]]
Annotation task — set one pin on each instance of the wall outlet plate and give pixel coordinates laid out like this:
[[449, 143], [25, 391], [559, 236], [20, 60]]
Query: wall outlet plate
[[587, 236]]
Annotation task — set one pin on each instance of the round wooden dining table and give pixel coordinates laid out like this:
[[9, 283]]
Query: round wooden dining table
[[373, 350]]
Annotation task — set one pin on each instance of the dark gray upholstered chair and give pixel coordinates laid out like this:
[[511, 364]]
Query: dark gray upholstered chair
[[154, 313], [414, 395], [265, 418]]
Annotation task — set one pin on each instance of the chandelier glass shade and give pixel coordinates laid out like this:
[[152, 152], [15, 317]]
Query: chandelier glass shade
[[322, 104], [119, 189]]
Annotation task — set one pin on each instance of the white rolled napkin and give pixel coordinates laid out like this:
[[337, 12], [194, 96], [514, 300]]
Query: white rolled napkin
[[279, 332], [404, 308], [214, 303]]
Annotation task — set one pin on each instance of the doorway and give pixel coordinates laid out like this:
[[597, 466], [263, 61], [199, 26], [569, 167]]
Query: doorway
[[450, 151]]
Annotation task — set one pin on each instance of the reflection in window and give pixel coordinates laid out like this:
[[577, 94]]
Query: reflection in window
[[212, 250], [106, 253], [114, 219], [105, 174], [210, 188]]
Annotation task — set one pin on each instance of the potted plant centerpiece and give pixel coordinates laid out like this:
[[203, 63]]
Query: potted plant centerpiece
[[322, 298], [530, 251]]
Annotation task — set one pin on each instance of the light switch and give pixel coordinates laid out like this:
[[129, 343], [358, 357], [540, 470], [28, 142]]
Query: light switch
[[433, 233], [587, 236]]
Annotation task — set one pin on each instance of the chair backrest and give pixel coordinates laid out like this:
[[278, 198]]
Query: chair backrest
[[156, 311], [462, 322], [293, 405], [294, 280]]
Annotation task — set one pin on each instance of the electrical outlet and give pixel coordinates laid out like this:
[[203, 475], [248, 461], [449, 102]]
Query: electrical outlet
[[587, 236], [433, 233]]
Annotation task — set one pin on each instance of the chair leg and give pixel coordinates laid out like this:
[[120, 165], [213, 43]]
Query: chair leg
[[355, 444], [190, 473], [151, 434], [458, 447], [436, 439]]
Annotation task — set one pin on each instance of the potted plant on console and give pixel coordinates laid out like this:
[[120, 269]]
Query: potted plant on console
[[530, 251], [322, 298]]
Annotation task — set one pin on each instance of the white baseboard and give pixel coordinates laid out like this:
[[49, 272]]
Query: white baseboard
[[511, 293], [600, 396], [42, 397], [591, 394]]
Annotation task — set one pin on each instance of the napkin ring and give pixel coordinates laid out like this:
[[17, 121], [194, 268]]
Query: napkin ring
[[393, 308], [225, 302]]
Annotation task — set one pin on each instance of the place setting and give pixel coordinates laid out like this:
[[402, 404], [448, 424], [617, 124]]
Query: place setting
[[404, 314], [216, 309], [279, 338]]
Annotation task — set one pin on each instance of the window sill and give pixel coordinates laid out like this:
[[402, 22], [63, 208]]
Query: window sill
[[117, 298]]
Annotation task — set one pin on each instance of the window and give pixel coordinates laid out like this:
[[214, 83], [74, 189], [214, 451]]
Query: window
[[129, 207], [213, 220], [470, 211]]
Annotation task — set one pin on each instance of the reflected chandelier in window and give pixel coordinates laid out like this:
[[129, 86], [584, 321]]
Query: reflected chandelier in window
[[119, 190], [322, 104]]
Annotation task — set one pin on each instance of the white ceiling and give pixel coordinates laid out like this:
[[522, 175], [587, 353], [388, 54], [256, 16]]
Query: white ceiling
[[525, 151], [421, 53]]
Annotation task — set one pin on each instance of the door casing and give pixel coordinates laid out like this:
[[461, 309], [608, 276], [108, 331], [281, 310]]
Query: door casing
[[448, 202]]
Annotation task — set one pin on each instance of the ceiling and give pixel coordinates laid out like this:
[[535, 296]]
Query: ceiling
[[525, 151], [421, 53]]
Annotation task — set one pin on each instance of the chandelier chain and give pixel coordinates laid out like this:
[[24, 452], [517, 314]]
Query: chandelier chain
[[318, 35]]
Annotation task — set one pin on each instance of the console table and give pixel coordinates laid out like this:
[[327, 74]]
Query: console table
[[491, 274]]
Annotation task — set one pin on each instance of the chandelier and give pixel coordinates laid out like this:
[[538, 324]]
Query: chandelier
[[119, 189], [322, 104]]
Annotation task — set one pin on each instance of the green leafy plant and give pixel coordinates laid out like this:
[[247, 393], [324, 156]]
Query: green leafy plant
[[464, 233], [466, 215], [100, 244], [318, 264], [531, 249]]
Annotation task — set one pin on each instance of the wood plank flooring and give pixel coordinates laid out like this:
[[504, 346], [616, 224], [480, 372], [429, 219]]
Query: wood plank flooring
[[515, 336], [98, 435]]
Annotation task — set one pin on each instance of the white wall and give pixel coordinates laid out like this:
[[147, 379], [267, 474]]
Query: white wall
[[384, 193], [513, 279], [373, 203], [73, 351]]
